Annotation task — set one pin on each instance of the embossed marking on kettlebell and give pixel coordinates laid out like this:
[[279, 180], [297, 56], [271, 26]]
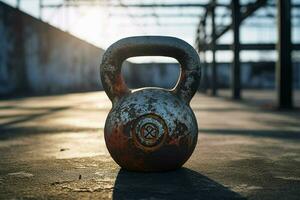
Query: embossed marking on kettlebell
[[149, 131]]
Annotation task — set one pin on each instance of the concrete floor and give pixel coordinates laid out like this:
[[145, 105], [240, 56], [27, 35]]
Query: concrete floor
[[53, 148]]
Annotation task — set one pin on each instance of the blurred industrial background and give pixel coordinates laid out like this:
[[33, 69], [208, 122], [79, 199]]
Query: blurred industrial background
[[55, 46], [53, 109]]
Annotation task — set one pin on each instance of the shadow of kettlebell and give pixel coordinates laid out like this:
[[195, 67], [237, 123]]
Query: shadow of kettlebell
[[180, 184]]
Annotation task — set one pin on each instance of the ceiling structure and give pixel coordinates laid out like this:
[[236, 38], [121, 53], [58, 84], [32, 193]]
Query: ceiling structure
[[177, 18]]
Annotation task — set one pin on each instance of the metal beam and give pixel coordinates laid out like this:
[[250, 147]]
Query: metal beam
[[179, 24], [40, 9], [247, 47], [165, 5], [164, 15], [205, 80], [253, 47], [18, 4], [250, 9], [201, 42], [76, 4], [273, 4], [284, 68], [214, 77], [138, 5], [235, 73], [259, 15]]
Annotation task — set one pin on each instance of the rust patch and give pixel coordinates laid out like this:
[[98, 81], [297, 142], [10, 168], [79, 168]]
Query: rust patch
[[119, 88], [181, 135], [117, 140]]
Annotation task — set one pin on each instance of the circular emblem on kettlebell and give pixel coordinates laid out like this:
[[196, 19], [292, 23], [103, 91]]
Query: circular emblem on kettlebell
[[149, 131]]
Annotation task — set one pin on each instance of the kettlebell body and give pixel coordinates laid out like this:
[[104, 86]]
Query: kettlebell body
[[150, 129]]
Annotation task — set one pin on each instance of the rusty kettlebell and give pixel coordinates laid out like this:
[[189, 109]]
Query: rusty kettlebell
[[150, 129]]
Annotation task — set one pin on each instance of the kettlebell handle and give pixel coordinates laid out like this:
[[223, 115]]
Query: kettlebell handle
[[110, 69]]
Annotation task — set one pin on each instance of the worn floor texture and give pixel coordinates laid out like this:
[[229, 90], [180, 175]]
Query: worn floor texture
[[53, 148]]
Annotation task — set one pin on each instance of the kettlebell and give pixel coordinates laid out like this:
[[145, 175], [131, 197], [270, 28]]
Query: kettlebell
[[150, 129]]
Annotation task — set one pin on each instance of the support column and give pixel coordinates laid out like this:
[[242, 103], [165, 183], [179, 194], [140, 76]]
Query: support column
[[236, 65], [40, 8], [284, 75], [202, 50], [205, 76], [214, 83], [18, 4]]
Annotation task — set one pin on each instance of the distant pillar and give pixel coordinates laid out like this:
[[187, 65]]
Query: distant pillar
[[214, 83], [236, 65], [205, 79], [205, 76], [18, 4], [40, 8], [284, 78]]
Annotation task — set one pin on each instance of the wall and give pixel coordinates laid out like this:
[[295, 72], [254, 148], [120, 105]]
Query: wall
[[254, 75], [36, 58], [151, 74]]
